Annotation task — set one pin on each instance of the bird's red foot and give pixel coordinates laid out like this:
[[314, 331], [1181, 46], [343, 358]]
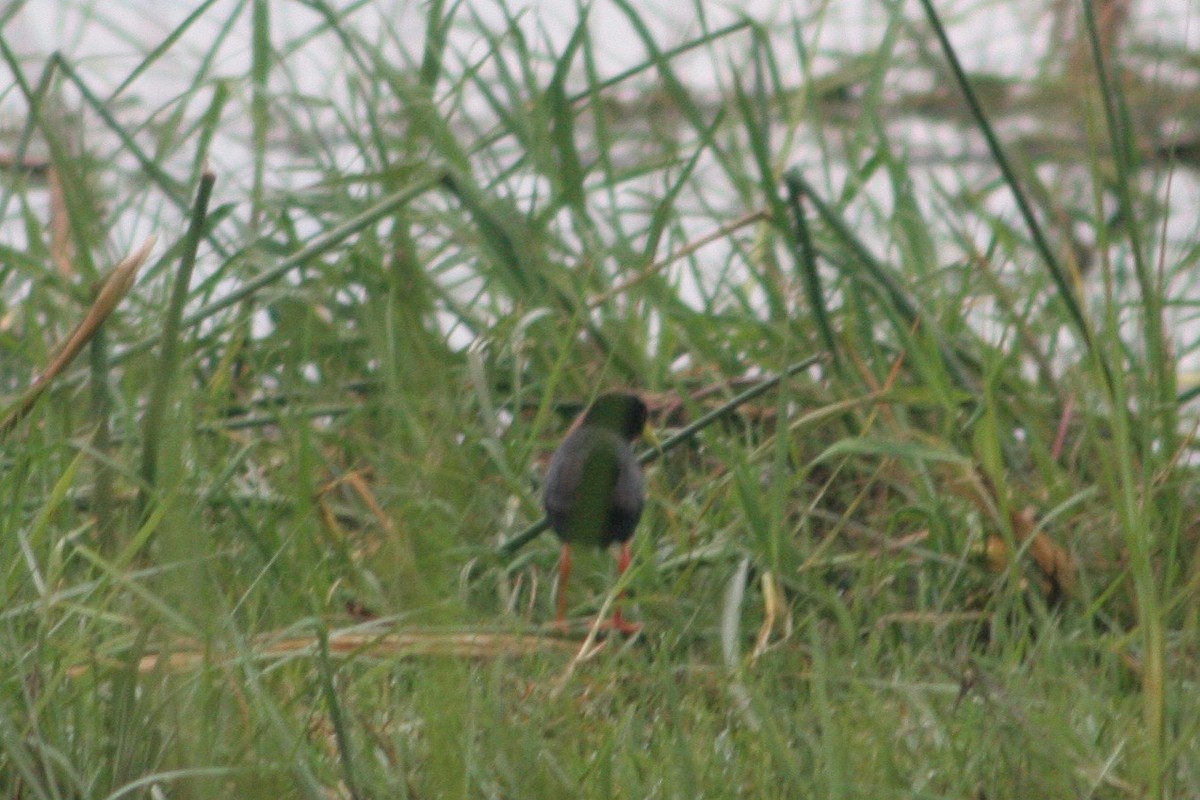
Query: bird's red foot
[[627, 628], [565, 627], [621, 625]]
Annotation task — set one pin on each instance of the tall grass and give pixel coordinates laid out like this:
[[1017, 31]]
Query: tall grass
[[277, 533]]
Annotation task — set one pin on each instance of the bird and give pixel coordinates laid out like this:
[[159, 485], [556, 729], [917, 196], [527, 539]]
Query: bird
[[594, 490]]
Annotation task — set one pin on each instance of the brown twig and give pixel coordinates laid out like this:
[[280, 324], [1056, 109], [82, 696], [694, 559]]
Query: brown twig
[[111, 293]]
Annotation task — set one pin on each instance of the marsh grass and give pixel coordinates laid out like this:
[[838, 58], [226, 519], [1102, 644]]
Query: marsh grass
[[265, 540]]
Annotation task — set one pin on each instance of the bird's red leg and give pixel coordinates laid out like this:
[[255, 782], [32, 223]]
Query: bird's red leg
[[618, 622], [564, 573]]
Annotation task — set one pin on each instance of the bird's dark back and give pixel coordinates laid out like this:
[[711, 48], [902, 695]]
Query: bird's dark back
[[594, 492]]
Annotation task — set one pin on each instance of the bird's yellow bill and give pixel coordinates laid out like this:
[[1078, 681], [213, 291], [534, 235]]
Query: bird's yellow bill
[[650, 437]]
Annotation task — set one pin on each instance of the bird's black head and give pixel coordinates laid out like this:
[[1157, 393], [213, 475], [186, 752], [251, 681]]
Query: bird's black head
[[618, 411]]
